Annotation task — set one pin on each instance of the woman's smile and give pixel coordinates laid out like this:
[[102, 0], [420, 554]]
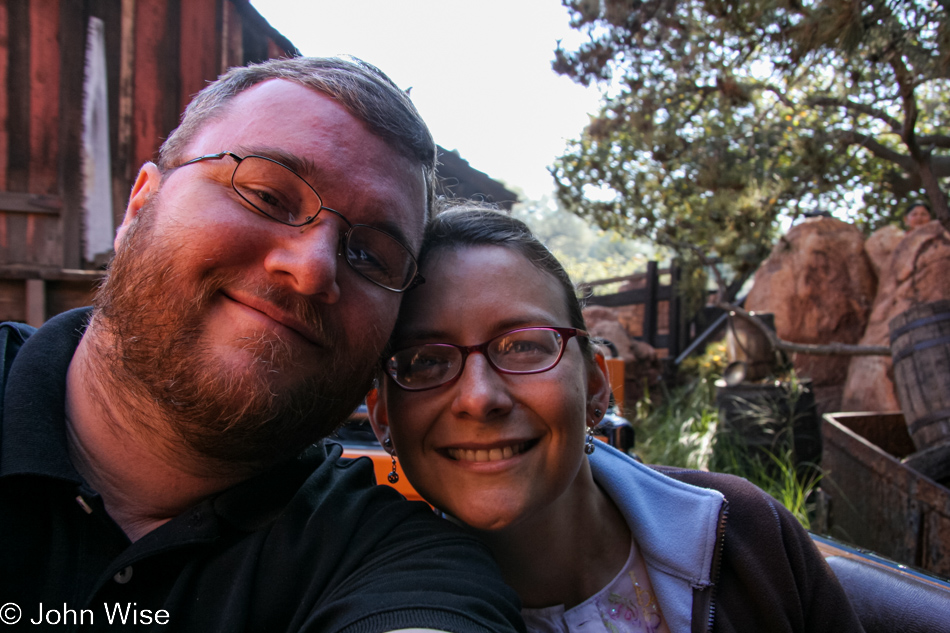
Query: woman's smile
[[493, 454]]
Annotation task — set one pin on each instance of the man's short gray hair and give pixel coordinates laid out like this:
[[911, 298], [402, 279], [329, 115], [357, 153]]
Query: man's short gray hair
[[364, 90]]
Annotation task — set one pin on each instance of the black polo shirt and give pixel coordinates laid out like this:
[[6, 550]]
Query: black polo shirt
[[312, 545]]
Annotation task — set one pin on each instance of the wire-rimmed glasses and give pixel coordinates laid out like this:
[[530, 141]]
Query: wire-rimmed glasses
[[281, 194], [529, 350]]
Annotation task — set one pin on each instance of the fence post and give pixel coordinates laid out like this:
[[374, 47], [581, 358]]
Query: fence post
[[650, 307], [676, 339]]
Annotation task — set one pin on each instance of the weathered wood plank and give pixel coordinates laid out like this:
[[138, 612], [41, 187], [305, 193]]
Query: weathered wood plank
[[66, 294], [4, 60], [232, 53], [200, 47], [876, 501], [14, 248], [14, 202], [124, 170], [44, 97], [154, 94], [18, 97], [44, 234], [12, 300], [35, 302], [72, 62]]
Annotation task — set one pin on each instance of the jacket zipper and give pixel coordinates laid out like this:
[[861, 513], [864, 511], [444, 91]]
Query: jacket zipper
[[717, 564]]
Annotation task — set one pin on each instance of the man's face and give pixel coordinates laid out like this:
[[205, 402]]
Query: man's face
[[256, 337]]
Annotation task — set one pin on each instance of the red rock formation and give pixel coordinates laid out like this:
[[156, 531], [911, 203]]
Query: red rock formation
[[641, 363], [881, 245], [918, 271], [819, 284]]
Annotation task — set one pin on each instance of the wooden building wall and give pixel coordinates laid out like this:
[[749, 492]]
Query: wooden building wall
[[158, 54]]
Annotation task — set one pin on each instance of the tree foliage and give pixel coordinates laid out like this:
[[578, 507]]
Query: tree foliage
[[587, 253], [721, 118]]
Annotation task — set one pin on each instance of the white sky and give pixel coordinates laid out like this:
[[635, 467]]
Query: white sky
[[480, 71]]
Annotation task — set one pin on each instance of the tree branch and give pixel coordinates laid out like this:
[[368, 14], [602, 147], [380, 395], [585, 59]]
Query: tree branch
[[878, 149], [852, 106], [829, 349]]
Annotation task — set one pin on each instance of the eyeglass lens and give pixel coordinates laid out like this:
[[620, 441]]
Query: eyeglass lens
[[283, 195], [520, 351]]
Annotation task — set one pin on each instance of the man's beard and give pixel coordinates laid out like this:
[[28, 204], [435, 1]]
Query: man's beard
[[236, 418]]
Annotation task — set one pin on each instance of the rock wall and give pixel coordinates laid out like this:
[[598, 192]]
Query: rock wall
[[917, 271], [642, 368], [820, 285]]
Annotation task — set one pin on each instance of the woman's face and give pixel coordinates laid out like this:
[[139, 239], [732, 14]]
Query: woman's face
[[918, 216], [490, 449]]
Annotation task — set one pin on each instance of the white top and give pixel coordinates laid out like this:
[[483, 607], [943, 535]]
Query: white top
[[626, 605]]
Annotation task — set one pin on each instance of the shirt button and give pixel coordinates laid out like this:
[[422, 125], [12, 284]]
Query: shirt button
[[123, 576]]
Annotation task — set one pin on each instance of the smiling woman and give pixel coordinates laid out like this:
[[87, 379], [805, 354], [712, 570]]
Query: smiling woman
[[488, 399]]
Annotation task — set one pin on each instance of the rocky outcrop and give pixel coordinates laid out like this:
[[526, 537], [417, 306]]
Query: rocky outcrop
[[918, 271], [880, 246], [642, 367], [820, 286]]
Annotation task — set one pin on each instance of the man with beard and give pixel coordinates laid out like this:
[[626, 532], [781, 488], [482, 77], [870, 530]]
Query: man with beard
[[161, 459]]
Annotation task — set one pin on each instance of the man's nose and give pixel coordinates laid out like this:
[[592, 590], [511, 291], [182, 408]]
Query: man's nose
[[481, 392], [306, 259]]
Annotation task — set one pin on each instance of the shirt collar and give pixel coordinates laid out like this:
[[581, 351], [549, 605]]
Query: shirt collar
[[34, 429], [34, 416]]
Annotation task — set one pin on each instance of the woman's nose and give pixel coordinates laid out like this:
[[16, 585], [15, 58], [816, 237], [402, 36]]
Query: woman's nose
[[481, 392]]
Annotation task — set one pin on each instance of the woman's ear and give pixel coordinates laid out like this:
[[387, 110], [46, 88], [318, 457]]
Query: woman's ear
[[598, 385], [147, 183], [378, 417]]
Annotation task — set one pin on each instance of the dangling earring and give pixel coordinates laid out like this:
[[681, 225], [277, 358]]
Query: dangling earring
[[589, 441], [392, 477]]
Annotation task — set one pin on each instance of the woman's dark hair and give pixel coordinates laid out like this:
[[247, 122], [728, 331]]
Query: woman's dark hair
[[462, 225], [918, 203]]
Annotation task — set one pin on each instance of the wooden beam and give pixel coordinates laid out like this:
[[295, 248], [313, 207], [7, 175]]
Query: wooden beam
[[4, 64], [124, 170], [156, 60], [30, 203], [650, 311], [13, 247], [21, 271], [35, 302], [44, 77], [72, 61], [232, 52], [18, 96], [200, 47], [44, 234]]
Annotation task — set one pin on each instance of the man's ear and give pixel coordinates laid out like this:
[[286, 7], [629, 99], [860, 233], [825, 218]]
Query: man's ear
[[147, 183], [378, 417], [598, 385]]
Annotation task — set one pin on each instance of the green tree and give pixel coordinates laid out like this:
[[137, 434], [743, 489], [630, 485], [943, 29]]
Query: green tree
[[722, 118], [588, 253]]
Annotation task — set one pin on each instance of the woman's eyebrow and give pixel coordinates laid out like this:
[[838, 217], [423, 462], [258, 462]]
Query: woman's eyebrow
[[437, 335]]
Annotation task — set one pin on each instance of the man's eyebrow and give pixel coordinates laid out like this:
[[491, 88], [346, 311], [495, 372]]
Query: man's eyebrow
[[309, 171], [303, 166]]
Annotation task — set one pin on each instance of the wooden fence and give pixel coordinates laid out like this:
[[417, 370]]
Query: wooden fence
[[663, 324], [152, 56]]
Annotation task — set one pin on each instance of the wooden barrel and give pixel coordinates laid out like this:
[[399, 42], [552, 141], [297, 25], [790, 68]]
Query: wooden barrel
[[920, 349]]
